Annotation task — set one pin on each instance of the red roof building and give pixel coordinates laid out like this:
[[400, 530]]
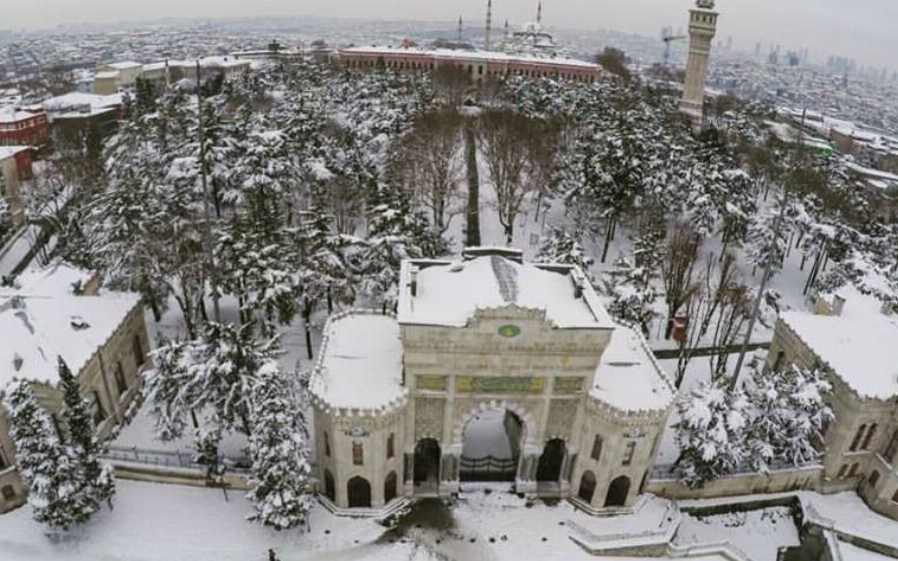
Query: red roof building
[[23, 128]]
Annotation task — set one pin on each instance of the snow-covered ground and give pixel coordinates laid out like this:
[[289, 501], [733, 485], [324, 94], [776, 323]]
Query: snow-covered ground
[[759, 533], [154, 522]]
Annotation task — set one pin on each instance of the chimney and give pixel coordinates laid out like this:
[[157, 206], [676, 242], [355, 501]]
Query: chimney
[[414, 281], [838, 305]]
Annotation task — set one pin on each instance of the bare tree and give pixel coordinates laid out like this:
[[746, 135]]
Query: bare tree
[[678, 272], [428, 161], [518, 152]]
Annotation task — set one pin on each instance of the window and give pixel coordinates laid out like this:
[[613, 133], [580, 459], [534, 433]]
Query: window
[[9, 493], [842, 471], [327, 445], [137, 349], [596, 448], [892, 448], [895, 496], [628, 453], [391, 445], [99, 411], [3, 461], [358, 454], [120, 382], [869, 438], [779, 360], [853, 471], [857, 438], [874, 479]]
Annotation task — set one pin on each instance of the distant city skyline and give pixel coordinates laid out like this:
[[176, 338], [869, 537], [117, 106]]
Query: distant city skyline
[[860, 29]]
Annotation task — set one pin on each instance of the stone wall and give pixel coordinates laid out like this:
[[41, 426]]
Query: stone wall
[[806, 479]]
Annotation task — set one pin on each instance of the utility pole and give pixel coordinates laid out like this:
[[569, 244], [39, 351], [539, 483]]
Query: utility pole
[[207, 225], [768, 270]]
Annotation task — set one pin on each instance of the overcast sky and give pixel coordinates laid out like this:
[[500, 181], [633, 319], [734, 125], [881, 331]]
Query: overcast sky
[[864, 29]]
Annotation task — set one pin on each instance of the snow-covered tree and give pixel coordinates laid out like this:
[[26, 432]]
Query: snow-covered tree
[[560, 246], [632, 297], [97, 484], [48, 467], [281, 487], [711, 432], [211, 375], [789, 416]]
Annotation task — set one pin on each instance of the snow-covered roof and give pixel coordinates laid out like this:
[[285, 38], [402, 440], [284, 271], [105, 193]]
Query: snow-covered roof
[[861, 345], [13, 115], [126, 65], [57, 279], [628, 377], [485, 56], [37, 329], [10, 151], [106, 75], [75, 100], [448, 293], [360, 362]]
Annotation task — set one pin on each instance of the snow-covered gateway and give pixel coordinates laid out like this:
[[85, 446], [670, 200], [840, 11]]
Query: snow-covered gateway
[[580, 397]]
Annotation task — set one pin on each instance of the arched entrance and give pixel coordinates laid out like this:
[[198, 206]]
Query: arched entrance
[[427, 463], [551, 461], [359, 491], [390, 487], [491, 446], [617, 492], [330, 490], [587, 487]]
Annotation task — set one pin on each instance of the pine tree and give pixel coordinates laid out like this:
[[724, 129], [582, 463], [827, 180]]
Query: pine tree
[[632, 297], [97, 483], [560, 246], [48, 468], [711, 432], [281, 490]]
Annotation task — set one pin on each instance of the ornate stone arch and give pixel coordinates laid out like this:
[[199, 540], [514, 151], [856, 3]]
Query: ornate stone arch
[[528, 426]]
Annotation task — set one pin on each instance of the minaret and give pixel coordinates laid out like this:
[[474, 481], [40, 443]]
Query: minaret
[[459, 29], [539, 13], [702, 29], [489, 24]]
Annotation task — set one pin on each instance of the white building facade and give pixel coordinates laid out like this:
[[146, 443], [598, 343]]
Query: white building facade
[[572, 404]]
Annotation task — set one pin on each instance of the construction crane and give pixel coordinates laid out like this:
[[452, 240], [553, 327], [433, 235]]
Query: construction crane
[[668, 39]]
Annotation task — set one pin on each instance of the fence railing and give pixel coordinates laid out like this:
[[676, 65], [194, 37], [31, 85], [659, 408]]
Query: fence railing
[[488, 468], [168, 458]]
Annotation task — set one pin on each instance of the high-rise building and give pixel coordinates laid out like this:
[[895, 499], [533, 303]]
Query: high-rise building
[[702, 29]]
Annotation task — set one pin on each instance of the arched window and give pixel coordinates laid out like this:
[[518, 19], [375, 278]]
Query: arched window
[[874, 479], [892, 448], [551, 461], [895, 496], [853, 471], [857, 438], [137, 349], [358, 453], [391, 445], [596, 453], [330, 491], [869, 438], [587, 486], [390, 487], [629, 451], [617, 492], [842, 471], [327, 445], [359, 492]]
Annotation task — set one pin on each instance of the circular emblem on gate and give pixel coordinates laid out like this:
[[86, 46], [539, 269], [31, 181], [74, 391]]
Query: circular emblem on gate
[[509, 331]]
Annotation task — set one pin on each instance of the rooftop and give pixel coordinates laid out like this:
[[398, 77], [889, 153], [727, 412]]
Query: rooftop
[[486, 56], [360, 362], [448, 293], [859, 345], [76, 100], [10, 151], [37, 329], [628, 378]]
